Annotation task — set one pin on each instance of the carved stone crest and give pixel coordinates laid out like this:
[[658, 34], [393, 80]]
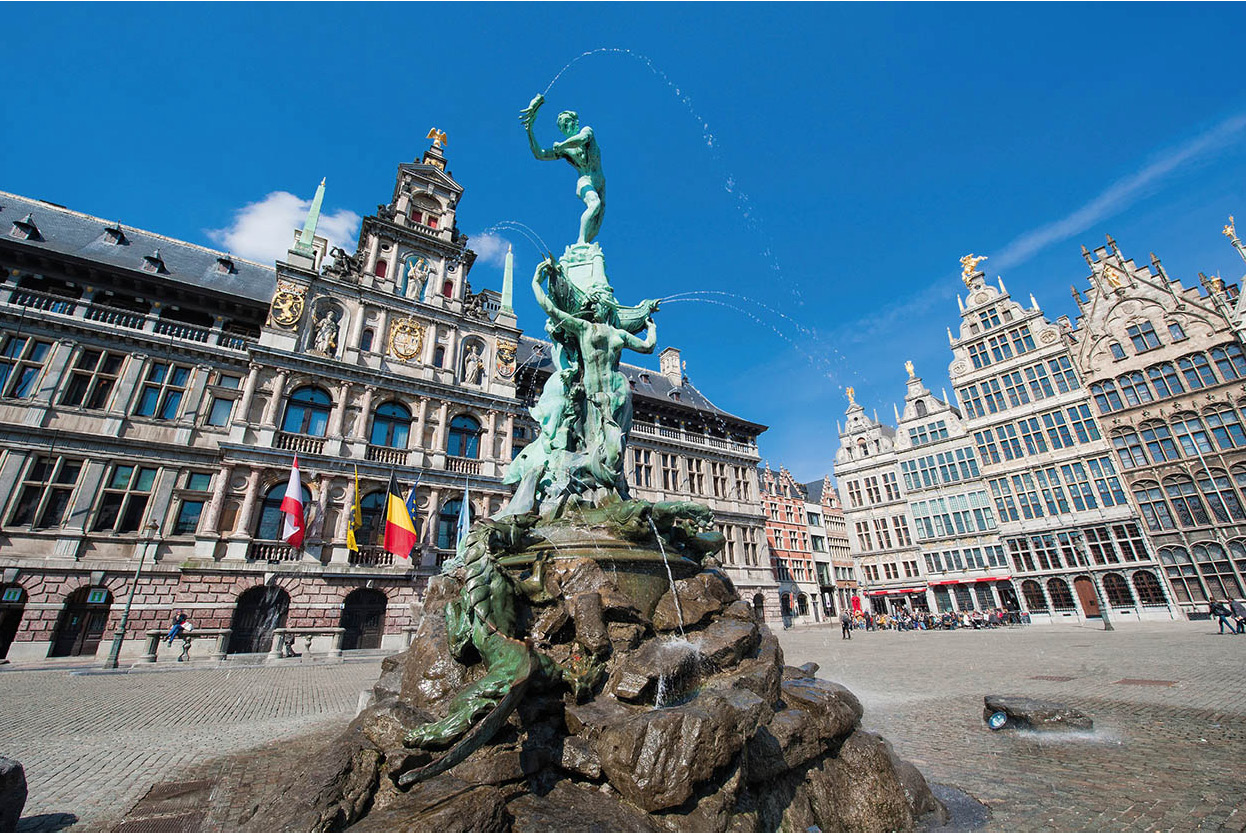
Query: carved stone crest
[[506, 359], [406, 337], [287, 305]]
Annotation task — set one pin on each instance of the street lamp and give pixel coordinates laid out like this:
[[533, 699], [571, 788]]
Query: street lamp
[[151, 529], [1103, 608]]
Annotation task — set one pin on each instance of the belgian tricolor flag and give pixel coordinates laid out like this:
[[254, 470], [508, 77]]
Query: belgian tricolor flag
[[400, 535]]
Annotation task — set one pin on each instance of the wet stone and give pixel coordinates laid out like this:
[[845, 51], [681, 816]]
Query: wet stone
[[571, 807], [12, 793], [1031, 714]]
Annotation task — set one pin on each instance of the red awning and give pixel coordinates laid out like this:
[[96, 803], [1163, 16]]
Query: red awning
[[887, 591], [976, 579]]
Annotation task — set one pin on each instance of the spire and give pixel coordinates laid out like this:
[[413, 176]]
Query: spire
[[895, 411], [960, 302], [950, 339], [304, 244], [1000, 279], [1077, 297], [1086, 254], [508, 282], [1033, 302]]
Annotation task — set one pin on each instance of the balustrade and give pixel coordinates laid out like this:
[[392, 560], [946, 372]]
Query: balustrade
[[372, 556], [463, 466], [261, 551], [181, 331], [387, 454], [289, 442]]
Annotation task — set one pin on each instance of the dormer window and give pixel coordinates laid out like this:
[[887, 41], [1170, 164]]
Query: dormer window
[[674, 395], [25, 229], [644, 378], [114, 236], [154, 263], [225, 265]]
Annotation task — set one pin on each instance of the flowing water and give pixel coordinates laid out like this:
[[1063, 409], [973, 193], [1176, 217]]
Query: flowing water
[[681, 683], [679, 612]]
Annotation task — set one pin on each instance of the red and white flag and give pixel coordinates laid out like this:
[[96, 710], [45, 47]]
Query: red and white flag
[[292, 508]]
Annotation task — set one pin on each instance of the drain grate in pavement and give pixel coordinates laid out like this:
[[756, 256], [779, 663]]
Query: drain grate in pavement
[[189, 821], [1145, 682], [1060, 678]]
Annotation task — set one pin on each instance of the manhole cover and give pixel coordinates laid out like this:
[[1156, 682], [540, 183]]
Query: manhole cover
[[1145, 682], [190, 821], [1060, 678]]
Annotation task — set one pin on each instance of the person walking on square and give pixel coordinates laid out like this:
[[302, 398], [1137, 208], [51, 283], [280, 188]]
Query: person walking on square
[[846, 627], [1239, 615], [1223, 612]]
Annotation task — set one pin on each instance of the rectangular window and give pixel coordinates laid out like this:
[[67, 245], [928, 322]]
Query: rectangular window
[[987, 449], [992, 396], [1083, 423], [162, 392], [1099, 543], [863, 536], [1022, 559], [125, 497], [1052, 491], [1075, 478], [1027, 495], [1175, 331], [872, 493], [21, 361], [1062, 372], [989, 318], [1143, 336], [1129, 540], [642, 463], [903, 539], [92, 379], [1000, 349], [670, 472], [188, 517], [1039, 382], [978, 355], [718, 479], [1022, 341], [1014, 388], [880, 530], [696, 476], [1032, 435], [890, 486], [1009, 443], [45, 493], [219, 412], [970, 401], [1106, 483]]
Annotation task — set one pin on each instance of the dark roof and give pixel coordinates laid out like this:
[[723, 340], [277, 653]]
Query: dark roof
[[813, 491], [646, 384], [75, 234]]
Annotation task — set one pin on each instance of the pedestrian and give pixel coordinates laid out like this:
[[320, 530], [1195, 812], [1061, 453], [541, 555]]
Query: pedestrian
[[180, 624], [1239, 614], [1223, 612], [846, 627]]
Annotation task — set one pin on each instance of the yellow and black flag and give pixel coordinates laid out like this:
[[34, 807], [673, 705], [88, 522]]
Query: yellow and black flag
[[356, 520], [400, 535]]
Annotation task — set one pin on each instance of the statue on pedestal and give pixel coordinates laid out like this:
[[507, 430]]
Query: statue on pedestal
[[581, 150]]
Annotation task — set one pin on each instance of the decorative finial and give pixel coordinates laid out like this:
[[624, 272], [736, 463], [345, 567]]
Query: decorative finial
[[1217, 284], [438, 137], [851, 392], [908, 366], [1230, 231], [969, 266]]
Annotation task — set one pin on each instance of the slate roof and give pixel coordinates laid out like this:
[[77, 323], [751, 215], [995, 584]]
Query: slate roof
[[656, 389], [813, 491], [74, 234]]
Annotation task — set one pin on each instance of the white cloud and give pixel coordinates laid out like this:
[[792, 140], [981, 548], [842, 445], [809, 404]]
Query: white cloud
[[489, 248], [263, 231]]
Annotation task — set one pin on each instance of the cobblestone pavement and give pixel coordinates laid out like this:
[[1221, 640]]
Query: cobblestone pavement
[[1169, 747], [92, 744]]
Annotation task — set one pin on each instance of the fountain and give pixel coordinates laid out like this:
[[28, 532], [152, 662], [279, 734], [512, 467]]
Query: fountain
[[586, 665]]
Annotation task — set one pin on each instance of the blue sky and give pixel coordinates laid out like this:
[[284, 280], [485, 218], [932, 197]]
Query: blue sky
[[821, 167]]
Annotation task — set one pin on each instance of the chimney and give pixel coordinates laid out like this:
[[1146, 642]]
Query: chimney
[[668, 363]]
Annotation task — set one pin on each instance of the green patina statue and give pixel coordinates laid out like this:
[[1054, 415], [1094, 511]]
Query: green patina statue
[[580, 149]]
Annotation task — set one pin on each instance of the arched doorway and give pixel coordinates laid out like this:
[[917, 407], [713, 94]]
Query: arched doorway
[[1086, 596], [1007, 595], [363, 617], [759, 607], [12, 603], [258, 612], [81, 624]]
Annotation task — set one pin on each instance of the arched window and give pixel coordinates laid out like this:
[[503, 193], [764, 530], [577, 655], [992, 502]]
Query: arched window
[[1220, 496], [307, 412], [1106, 397], [1117, 590], [390, 425], [381, 268], [1226, 426], [448, 523], [1190, 510], [802, 605], [921, 408], [1191, 435], [785, 605], [1159, 442], [1197, 371], [1129, 448], [464, 437], [862, 447], [1061, 596], [1230, 361], [365, 341], [1033, 593], [372, 512], [759, 608], [1134, 388], [1217, 573], [269, 527], [1166, 380], [1182, 574], [1237, 549], [1150, 594], [1150, 500]]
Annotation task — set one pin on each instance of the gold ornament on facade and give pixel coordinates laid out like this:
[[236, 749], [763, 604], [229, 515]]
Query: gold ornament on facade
[[406, 337], [969, 267], [1217, 284], [851, 392], [506, 353], [1112, 276], [1230, 231], [287, 305], [908, 366]]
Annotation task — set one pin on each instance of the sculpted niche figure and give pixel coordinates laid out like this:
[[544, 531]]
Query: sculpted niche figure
[[580, 149], [326, 333]]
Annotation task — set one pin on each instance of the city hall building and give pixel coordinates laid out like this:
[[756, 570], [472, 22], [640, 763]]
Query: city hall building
[[154, 395]]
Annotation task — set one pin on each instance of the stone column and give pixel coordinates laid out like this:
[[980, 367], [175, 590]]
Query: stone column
[[443, 417], [245, 515], [54, 370], [421, 421], [194, 397], [434, 508], [338, 416], [490, 450], [211, 523], [248, 394], [356, 328], [129, 380], [380, 342], [508, 442], [270, 413], [365, 409]]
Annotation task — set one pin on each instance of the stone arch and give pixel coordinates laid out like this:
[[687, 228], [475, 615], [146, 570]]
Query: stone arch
[[258, 610], [81, 623], [363, 617], [13, 599]]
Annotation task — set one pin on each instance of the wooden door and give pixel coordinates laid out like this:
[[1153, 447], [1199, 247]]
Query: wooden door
[[1086, 596], [363, 617], [81, 625]]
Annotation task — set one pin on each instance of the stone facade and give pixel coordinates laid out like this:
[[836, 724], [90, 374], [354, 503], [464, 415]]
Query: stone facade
[[1064, 513], [1167, 373], [828, 539], [791, 552]]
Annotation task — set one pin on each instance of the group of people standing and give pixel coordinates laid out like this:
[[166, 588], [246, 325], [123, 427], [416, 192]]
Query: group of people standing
[[905, 620], [1230, 613]]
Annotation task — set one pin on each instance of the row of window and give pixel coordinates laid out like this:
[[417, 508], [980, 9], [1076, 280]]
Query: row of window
[[793, 570], [1052, 490], [1208, 574], [968, 558], [741, 548], [787, 539], [899, 527], [1078, 548], [873, 493], [307, 413], [929, 433], [891, 570], [1016, 388], [1115, 588], [1168, 379], [944, 468], [1188, 435], [1014, 342], [953, 515], [1034, 435], [687, 474], [1176, 503]]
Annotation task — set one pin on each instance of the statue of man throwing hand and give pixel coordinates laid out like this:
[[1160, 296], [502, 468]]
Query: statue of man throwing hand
[[581, 150]]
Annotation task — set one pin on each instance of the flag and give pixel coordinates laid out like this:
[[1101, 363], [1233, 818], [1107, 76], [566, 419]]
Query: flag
[[356, 520], [465, 520], [292, 508], [413, 507], [399, 528]]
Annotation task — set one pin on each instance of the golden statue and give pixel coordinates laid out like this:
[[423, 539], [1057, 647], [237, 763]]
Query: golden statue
[[1229, 231], [1112, 276], [850, 391], [1217, 284], [908, 366], [438, 137], [969, 266]]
